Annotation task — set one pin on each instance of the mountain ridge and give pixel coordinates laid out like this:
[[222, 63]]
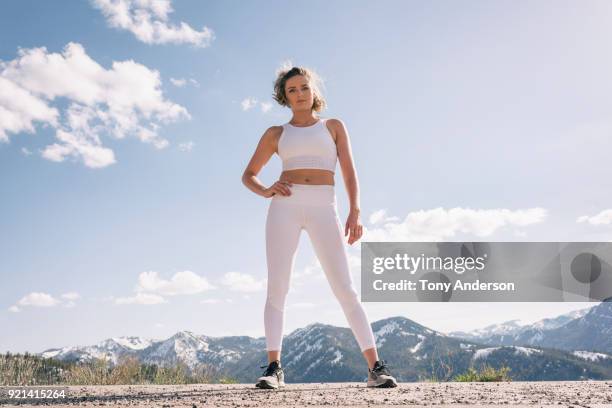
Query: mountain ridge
[[323, 352]]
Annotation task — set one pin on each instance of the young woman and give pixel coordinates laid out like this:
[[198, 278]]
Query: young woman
[[304, 198]]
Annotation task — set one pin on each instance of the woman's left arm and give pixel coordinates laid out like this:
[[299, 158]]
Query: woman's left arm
[[345, 157]]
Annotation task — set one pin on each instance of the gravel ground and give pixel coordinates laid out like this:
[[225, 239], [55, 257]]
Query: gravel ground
[[509, 394]]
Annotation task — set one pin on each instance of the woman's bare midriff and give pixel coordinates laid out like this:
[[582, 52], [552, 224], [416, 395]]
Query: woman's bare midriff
[[308, 176]]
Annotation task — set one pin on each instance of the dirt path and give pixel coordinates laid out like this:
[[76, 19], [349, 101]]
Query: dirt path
[[509, 394]]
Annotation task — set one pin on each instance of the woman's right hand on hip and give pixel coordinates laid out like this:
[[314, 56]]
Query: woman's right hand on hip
[[279, 187]]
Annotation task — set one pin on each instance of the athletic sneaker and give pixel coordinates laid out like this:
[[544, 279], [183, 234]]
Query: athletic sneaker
[[273, 377], [379, 376]]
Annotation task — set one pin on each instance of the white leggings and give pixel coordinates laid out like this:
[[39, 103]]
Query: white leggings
[[313, 208]]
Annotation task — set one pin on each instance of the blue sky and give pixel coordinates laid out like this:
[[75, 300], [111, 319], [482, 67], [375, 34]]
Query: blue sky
[[122, 146]]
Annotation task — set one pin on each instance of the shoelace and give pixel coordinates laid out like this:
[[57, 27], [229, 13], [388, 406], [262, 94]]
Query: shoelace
[[269, 369], [382, 368]]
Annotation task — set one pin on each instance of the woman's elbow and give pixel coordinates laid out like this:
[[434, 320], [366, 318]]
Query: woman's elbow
[[246, 175]]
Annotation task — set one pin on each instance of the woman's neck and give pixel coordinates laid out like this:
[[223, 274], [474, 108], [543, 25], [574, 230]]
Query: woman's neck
[[303, 118]]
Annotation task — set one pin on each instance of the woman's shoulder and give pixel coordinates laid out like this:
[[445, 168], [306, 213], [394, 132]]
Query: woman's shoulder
[[333, 124], [274, 130], [271, 136]]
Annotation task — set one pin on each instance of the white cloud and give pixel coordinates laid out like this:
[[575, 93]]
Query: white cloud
[[38, 299], [181, 82], [148, 21], [313, 272], [186, 146], [310, 272], [94, 156], [439, 224], [122, 101], [381, 216], [71, 296], [19, 108], [248, 103], [151, 288], [41, 299], [181, 283], [141, 299], [242, 282], [26, 151], [603, 218], [178, 82], [377, 216], [265, 106]]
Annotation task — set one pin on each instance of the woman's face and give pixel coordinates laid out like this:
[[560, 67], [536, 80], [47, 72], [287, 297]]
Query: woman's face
[[299, 93]]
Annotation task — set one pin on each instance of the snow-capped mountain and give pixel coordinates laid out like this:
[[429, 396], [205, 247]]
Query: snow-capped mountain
[[112, 348], [500, 329], [184, 346], [513, 332], [591, 332], [321, 352], [553, 323], [133, 342]]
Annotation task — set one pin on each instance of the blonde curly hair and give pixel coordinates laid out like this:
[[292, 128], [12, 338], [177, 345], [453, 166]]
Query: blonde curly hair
[[314, 80]]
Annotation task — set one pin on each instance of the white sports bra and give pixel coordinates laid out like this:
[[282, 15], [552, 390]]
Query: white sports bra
[[309, 147]]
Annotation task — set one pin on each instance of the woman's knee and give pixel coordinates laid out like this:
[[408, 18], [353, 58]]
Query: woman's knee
[[346, 294], [276, 298]]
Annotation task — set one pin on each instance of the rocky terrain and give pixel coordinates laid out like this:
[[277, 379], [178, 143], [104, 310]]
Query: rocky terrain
[[508, 394]]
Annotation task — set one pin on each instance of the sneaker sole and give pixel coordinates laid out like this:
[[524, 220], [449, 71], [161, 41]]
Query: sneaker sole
[[268, 385], [386, 384]]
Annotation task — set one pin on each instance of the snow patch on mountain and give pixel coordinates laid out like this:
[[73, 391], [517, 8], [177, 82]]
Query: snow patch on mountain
[[394, 327], [132, 342], [589, 355], [387, 329], [483, 353], [313, 364], [52, 353], [418, 345], [525, 350], [306, 346], [337, 357]]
